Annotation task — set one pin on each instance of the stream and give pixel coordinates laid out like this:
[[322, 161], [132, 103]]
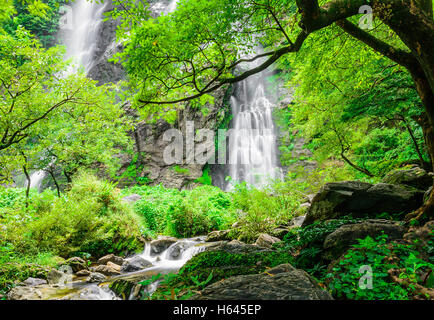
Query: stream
[[171, 260]]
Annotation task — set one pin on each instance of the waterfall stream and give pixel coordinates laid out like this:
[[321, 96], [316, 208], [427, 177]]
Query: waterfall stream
[[252, 148]]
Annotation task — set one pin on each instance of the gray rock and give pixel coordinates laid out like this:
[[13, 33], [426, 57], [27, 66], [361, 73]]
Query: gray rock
[[283, 282], [360, 199], [83, 273], [266, 241], [297, 221], [111, 258], [54, 276], [135, 263], [96, 277], [132, 198], [77, 264], [339, 241], [219, 235], [414, 177], [107, 270], [162, 244], [32, 282]]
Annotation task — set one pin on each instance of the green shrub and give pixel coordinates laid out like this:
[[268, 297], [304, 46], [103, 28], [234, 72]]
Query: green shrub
[[343, 280], [90, 218], [184, 213]]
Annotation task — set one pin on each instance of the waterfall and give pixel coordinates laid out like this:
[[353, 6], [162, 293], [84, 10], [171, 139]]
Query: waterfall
[[252, 145], [82, 36]]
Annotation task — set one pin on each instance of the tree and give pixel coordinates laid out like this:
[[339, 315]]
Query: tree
[[51, 118], [194, 51]]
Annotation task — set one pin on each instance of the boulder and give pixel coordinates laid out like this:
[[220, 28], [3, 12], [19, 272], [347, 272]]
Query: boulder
[[266, 241], [107, 270], [361, 199], [135, 263], [32, 282], [414, 177], [161, 244], [219, 235], [83, 273], [110, 258], [96, 277], [283, 282], [77, 264], [339, 241], [54, 276], [133, 198], [114, 266]]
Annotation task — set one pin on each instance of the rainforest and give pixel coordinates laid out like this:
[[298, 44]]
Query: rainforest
[[216, 150]]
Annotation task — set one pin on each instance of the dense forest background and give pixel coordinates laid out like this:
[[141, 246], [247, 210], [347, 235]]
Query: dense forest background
[[352, 112]]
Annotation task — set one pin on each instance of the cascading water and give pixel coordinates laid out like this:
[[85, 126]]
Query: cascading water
[[82, 32], [252, 144]]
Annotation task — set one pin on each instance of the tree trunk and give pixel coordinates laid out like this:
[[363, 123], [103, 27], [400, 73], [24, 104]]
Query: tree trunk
[[26, 173], [55, 181]]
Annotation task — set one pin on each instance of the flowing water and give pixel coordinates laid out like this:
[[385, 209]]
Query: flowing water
[[252, 148]]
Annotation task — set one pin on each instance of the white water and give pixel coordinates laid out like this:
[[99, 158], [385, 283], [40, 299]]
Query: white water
[[252, 148], [82, 38], [36, 179]]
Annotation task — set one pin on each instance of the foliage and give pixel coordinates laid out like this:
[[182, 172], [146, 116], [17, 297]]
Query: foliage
[[91, 218], [41, 18], [50, 118], [184, 213], [381, 257], [211, 266]]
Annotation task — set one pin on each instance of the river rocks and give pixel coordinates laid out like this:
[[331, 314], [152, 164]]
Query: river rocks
[[360, 199], [339, 241], [132, 198], [31, 293], [107, 270], [414, 177], [77, 264], [266, 241], [96, 277], [161, 244], [54, 276], [218, 235], [128, 286], [83, 273], [283, 282], [111, 258], [135, 264], [32, 282]]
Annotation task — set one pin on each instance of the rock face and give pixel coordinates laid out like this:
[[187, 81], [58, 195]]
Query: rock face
[[135, 264], [339, 241], [414, 177], [266, 241], [338, 199], [283, 282]]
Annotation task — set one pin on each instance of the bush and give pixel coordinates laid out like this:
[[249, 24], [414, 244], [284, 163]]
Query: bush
[[381, 257], [90, 218], [184, 213], [263, 209]]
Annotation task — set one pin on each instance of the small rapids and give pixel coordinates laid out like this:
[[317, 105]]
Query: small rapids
[[169, 258]]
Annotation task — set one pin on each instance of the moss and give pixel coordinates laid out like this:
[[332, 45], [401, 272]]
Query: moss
[[13, 273], [223, 264]]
